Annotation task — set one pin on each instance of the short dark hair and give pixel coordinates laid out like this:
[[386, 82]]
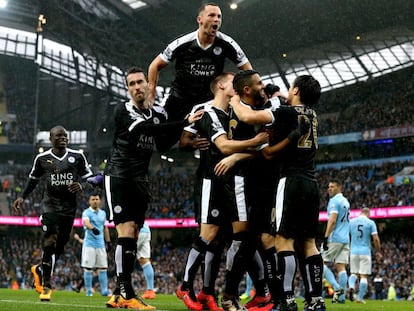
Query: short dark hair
[[336, 181], [203, 6], [95, 193], [220, 77], [243, 78], [309, 89], [135, 69]]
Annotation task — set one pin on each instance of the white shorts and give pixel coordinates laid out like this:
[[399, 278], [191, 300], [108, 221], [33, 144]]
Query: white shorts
[[144, 245], [337, 253], [361, 264], [94, 258]]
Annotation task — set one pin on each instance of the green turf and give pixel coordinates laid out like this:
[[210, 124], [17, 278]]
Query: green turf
[[27, 300]]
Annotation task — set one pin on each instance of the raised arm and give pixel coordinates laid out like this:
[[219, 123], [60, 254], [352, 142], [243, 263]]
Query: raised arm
[[153, 72]]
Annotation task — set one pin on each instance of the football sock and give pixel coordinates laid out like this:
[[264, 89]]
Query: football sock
[[148, 272], [103, 280]]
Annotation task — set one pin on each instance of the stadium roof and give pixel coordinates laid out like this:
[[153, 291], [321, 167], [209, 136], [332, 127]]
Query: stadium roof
[[340, 42], [303, 31]]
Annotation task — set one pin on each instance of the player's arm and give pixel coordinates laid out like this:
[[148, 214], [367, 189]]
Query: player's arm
[[107, 236], [30, 186], [230, 161], [249, 116], [153, 72], [246, 66], [87, 224], [227, 146], [269, 152], [151, 128], [333, 217], [77, 238], [377, 245]]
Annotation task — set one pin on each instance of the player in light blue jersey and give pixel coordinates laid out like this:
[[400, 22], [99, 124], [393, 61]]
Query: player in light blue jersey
[[144, 259], [336, 241], [362, 229], [93, 248]]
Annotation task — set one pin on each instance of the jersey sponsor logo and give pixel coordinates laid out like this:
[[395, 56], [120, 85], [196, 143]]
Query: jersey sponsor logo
[[217, 50], [61, 179], [205, 70], [117, 209], [145, 142], [71, 159]]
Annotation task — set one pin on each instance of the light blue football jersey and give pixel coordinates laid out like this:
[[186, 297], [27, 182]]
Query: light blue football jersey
[[362, 228], [145, 228], [340, 205], [97, 219]]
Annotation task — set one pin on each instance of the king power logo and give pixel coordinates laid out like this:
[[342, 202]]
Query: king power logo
[[61, 179]]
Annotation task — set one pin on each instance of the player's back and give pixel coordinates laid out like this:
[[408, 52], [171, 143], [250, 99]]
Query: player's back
[[299, 158], [361, 229]]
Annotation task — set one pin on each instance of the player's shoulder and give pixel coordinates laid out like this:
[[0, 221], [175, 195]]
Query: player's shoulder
[[184, 39], [75, 152], [202, 106], [224, 37], [44, 154]]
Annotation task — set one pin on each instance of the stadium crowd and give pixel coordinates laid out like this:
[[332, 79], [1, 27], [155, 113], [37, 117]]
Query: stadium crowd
[[19, 250], [364, 185]]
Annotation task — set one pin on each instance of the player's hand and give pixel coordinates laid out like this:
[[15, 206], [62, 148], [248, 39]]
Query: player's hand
[[195, 116], [17, 203], [95, 231], [262, 138], [235, 100], [76, 237], [201, 143], [325, 244], [225, 165], [378, 256], [75, 187]]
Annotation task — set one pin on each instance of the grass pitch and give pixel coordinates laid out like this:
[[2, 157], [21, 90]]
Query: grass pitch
[[28, 300]]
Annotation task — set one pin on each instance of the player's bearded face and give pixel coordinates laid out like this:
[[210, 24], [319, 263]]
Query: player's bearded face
[[138, 88]]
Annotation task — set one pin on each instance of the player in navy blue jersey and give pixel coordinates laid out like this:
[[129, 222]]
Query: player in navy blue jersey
[[297, 191], [139, 128], [63, 169], [249, 86], [199, 57], [218, 198]]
